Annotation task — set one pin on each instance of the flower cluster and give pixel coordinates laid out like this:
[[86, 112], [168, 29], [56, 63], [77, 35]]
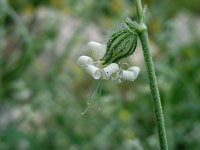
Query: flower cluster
[[94, 66]]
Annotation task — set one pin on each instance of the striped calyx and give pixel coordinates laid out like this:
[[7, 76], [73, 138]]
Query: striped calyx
[[121, 44]]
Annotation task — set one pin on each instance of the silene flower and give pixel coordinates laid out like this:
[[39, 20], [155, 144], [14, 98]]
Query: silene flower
[[104, 60], [95, 65]]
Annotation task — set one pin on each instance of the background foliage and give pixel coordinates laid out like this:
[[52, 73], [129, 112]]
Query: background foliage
[[43, 91]]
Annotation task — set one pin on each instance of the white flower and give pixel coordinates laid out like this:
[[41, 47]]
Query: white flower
[[111, 71]]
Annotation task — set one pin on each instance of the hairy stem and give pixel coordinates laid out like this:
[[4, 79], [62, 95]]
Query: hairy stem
[[152, 79]]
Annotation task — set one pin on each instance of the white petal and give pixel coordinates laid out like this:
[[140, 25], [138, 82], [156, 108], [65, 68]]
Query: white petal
[[109, 70], [128, 75], [96, 50], [135, 69], [94, 71], [84, 61]]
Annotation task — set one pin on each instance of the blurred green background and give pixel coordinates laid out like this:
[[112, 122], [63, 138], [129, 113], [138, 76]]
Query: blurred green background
[[43, 91]]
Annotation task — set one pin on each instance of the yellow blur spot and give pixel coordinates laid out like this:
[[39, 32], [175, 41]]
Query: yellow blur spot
[[106, 22], [29, 9], [56, 3], [67, 10], [117, 6], [129, 134], [155, 26], [124, 115]]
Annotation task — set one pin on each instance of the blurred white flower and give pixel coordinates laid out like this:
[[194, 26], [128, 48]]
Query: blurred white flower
[[105, 72]]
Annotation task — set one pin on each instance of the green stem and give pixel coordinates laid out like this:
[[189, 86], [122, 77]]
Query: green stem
[[152, 79]]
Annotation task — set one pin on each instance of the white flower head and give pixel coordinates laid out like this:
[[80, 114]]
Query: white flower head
[[109, 71]]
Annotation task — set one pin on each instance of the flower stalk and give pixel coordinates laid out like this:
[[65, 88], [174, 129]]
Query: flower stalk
[[143, 34]]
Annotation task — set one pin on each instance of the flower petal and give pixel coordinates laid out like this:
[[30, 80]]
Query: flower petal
[[109, 70], [127, 75], [96, 50], [135, 69], [84, 61], [94, 71]]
